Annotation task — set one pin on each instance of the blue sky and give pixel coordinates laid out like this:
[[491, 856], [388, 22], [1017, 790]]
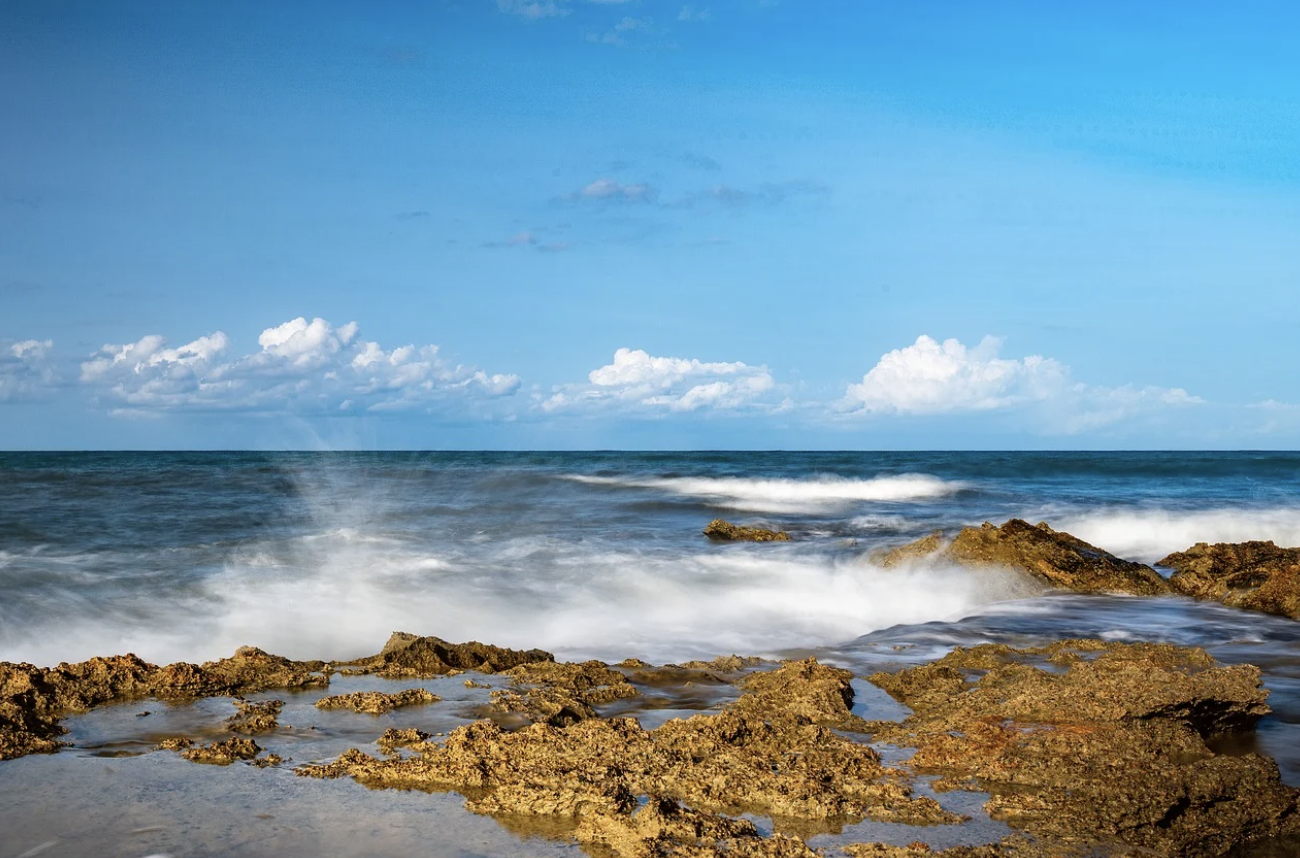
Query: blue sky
[[575, 224]]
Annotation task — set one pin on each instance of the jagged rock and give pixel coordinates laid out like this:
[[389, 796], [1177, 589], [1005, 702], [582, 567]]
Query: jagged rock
[[406, 655], [1055, 558], [561, 694], [725, 531], [394, 738], [911, 552], [1113, 748], [32, 699], [664, 828], [378, 702], [222, 753], [1256, 576], [773, 751], [725, 663], [255, 717]]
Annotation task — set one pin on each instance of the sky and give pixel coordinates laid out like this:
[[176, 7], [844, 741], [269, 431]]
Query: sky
[[581, 224]]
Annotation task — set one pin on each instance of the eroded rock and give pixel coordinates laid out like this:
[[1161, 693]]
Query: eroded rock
[[773, 751], [725, 531], [32, 699], [1256, 576], [1055, 558], [1111, 749], [406, 655], [378, 702], [560, 694], [254, 717]]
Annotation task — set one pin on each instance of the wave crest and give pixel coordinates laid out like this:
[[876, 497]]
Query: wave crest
[[781, 495]]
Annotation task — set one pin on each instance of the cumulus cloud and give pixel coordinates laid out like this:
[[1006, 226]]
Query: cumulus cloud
[[637, 380], [26, 369], [929, 377], [301, 365]]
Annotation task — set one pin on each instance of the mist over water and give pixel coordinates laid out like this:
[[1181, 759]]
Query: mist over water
[[187, 556]]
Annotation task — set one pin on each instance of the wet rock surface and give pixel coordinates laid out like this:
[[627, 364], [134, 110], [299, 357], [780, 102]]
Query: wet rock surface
[[255, 718], [724, 531], [773, 751], [378, 702], [1055, 558], [560, 694], [407, 655], [1256, 576], [220, 753], [1096, 743], [32, 699]]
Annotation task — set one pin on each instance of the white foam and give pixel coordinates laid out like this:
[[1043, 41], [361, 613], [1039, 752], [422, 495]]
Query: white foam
[[819, 494], [1148, 535], [334, 597]]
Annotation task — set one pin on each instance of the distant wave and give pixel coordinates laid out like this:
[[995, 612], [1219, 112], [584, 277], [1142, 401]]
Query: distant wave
[[817, 494], [1150, 534]]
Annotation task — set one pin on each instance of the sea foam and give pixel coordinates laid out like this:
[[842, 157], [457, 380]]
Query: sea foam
[[814, 495]]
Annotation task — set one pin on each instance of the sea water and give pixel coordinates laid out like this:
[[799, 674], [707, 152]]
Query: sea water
[[186, 556]]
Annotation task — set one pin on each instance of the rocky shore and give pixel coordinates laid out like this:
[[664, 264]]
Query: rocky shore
[[1081, 747]]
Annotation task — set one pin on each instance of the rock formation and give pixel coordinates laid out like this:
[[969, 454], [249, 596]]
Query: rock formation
[[1055, 558], [1257, 576], [724, 531]]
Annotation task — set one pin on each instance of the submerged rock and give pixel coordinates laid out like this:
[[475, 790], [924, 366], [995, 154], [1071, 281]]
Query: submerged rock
[[219, 753], [1055, 558], [407, 655], [1257, 576], [773, 751], [1111, 749], [378, 702], [725, 531], [255, 717]]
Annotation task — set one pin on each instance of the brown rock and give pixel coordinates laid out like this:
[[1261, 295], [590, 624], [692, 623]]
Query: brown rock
[[911, 552], [772, 752], [395, 738], [725, 531], [1111, 749], [1256, 576], [255, 718], [222, 753], [406, 655], [1057, 559], [377, 702], [561, 694]]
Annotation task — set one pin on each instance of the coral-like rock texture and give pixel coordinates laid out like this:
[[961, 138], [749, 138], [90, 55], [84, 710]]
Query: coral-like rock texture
[[1256, 576], [724, 531], [407, 655], [1109, 750], [1053, 557], [378, 702]]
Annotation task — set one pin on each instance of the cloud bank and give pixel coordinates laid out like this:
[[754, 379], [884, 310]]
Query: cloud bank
[[303, 366]]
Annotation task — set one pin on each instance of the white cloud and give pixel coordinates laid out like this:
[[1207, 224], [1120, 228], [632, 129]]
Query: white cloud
[[639, 381], [533, 9], [929, 378], [302, 365], [26, 369], [690, 13], [609, 190]]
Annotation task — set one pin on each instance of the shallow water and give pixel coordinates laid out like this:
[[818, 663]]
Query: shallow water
[[187, 556]]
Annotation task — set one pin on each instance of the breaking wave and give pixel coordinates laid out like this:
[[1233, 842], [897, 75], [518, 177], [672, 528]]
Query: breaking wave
[[789, 496], [1150, 534]]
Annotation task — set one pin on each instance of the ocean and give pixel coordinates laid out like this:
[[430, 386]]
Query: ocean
[[186, 556]]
